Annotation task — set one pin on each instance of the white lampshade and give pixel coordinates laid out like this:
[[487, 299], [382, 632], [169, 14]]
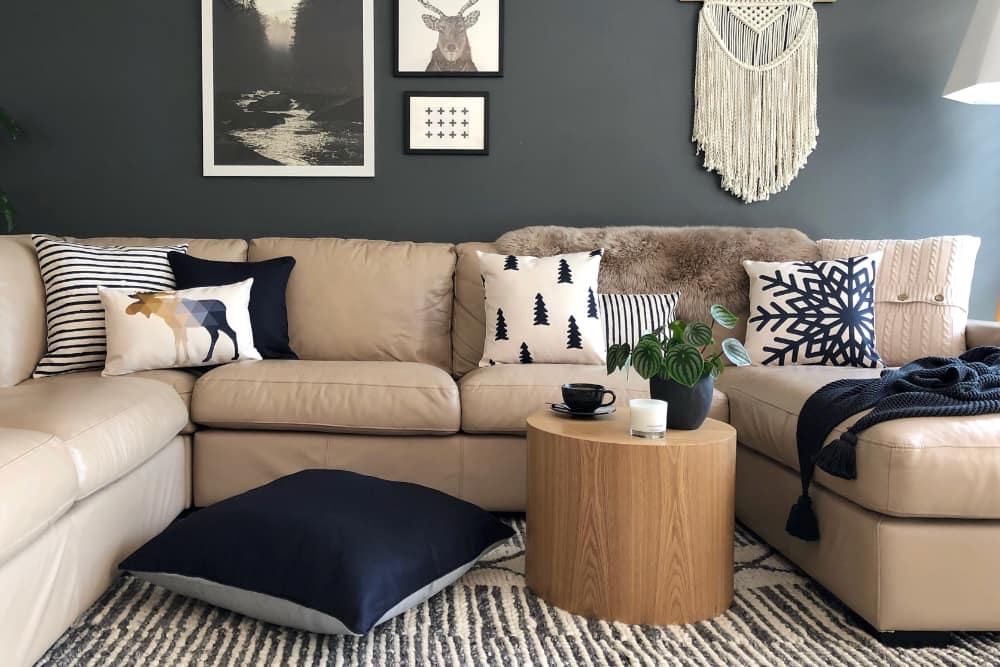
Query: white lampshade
[[976, 77]]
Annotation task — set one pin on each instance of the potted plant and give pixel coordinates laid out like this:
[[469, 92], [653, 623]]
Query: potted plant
[[681, 365], [6, 208]]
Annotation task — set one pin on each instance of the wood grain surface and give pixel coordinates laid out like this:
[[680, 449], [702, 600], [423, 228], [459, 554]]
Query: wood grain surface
[[632, 530]]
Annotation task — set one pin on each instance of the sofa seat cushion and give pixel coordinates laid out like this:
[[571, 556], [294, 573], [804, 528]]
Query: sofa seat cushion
[[37, 485], [180, 380], [935, 467], [366, 397], [498, 399], [109, 425]]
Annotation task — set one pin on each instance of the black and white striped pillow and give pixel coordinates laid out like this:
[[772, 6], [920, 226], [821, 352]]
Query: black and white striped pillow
[[74, 316], [627, 317]]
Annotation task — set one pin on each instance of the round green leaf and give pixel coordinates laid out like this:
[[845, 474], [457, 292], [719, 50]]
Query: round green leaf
[[647, 358], [698, 334], [684, 364], [618, 357], [677, 328], [722, 315], [735, 352]]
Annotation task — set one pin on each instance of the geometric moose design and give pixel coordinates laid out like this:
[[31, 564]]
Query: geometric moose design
[[182, 314]]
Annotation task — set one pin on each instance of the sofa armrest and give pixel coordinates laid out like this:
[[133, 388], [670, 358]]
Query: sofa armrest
[[982, 332]]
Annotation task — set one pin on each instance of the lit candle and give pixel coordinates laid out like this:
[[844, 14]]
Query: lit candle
[[647, 418]]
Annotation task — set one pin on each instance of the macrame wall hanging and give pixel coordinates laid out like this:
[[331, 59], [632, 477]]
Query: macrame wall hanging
[[755, 92]]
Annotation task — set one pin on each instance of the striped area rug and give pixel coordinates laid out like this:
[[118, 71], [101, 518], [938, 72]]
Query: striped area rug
[[489, 618]]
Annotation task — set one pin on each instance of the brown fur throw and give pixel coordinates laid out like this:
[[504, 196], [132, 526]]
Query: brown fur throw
[[704, 264]]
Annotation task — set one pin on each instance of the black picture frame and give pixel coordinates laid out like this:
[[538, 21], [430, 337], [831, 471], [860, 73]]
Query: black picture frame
[[417, 74], [407, 143]]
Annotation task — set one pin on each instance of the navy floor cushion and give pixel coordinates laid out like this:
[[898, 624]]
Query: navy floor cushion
[[322, 550]]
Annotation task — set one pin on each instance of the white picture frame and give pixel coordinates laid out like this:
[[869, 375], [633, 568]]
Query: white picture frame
[[247, 151]]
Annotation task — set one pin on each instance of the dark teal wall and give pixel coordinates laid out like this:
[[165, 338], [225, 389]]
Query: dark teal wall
[[591, 126]]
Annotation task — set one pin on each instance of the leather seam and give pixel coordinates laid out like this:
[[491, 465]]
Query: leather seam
[[247, 424], [107, 419], [328, 384], [43, 527], [28, 452]]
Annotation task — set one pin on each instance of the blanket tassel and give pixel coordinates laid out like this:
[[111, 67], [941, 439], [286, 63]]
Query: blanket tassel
[[802, 520], [839, 458]]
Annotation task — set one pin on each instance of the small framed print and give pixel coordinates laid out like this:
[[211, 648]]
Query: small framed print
[[449, 38], [446, 123]]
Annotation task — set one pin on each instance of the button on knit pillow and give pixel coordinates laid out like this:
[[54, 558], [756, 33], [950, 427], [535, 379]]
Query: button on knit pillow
[[921, 294], [71, 273], [542, 309], [813, 313]]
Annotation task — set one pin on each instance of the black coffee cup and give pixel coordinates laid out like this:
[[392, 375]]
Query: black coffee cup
[[582, 397]]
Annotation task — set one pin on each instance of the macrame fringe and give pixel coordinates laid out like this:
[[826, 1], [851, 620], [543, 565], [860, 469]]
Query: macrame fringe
[[839, 458], [755, 93], [802, 521]]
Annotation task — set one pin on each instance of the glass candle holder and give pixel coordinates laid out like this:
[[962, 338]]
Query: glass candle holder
[[647, 418]]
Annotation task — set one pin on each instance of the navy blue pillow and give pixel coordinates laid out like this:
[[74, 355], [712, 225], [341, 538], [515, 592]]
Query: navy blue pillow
[[321, 550], [268, 314]]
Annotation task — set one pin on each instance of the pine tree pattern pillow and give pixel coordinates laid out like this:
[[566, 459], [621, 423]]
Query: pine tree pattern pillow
[[813, 313], [542, 309]]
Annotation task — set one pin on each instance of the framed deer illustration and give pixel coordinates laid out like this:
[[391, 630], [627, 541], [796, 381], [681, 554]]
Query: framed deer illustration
[[449, 38]]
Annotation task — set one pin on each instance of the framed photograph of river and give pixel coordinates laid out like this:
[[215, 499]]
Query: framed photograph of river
[[287, 88]]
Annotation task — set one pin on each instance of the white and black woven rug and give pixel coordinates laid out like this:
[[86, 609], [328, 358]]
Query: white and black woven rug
[[779, 617]]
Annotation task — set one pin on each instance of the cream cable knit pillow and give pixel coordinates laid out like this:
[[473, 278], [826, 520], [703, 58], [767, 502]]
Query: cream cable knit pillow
[[922, 293]]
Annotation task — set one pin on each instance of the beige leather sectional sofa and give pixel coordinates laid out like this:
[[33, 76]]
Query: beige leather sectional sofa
[[390, 335]]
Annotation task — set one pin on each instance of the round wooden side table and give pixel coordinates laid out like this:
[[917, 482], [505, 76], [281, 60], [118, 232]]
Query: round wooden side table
[[626, 529]]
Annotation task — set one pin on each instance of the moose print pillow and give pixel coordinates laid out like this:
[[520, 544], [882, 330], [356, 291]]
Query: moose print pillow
[[203, 326], [542, 309]]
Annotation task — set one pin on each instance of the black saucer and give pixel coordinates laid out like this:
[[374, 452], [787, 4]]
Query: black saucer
[[563, 409]]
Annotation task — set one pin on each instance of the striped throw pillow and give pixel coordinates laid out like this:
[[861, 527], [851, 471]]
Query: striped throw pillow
[[627, 317], [71, 273]]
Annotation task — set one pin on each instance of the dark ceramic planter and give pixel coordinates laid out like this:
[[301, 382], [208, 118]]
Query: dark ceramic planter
[[687, 406]]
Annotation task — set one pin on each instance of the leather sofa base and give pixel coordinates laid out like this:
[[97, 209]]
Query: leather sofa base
[[52, 580], [899, 574], [488, 470]]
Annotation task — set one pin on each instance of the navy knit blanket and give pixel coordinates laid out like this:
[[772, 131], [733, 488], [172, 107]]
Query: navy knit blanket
[[929, 387]]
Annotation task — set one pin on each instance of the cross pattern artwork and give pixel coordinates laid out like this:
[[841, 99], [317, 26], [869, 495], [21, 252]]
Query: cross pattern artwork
[[447, 123]]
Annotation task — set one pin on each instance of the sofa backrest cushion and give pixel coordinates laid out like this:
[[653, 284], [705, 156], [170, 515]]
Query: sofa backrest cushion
[[468, 332], [223, 250], [359, 300], [22, 310], [22, 297]]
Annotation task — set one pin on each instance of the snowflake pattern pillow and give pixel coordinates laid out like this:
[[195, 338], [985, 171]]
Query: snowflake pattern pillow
[[542, 309], [819, 313]]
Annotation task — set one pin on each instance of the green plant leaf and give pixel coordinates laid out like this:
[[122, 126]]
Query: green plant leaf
[[716, 366], [677, 328], [6, 212], [735, 352], [647, 358], [698, 334], [9, 125], [618, 357], [722, 315], [684, 364]]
